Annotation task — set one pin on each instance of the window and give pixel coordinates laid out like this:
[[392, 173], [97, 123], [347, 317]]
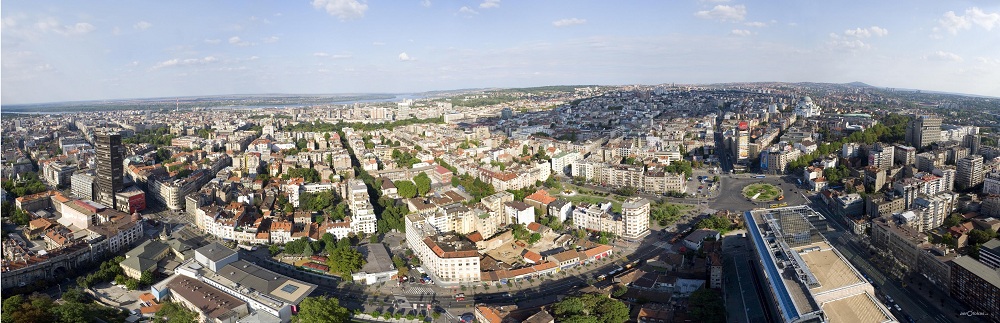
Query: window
[[289, 288]]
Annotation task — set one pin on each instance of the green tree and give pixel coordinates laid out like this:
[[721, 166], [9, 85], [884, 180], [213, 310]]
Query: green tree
[[132, 284], [948, 239], [977, 236], [590, 308], [620, 291], [344, 260], [679, 167], [706, 305], [147, 278], [423, 183], [534, 237], [308, 174], [71, 312], [35, 308], [173, 313], [717, 223], [321, 309], [952, 220], [405, 188]]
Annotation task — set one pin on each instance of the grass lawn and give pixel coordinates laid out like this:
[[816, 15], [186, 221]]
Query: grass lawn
[[767, 192], [616, 200]]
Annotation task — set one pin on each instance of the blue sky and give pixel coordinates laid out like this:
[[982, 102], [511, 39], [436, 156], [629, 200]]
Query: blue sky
[[84, 50]]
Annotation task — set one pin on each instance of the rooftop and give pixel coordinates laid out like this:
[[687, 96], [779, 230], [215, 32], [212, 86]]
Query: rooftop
[[265, 286], [211, 301], [451, 246], [809, 277], [215, 251], [829, 267], [857, 308], [149, 249], [988, 274], [377, 257]]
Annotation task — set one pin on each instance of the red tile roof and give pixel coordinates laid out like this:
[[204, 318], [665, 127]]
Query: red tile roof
[[541, 196]]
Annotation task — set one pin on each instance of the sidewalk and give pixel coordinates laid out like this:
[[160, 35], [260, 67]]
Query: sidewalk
[[365, 316]]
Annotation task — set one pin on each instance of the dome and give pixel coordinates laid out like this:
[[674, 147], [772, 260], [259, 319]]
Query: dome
[[807, 99]]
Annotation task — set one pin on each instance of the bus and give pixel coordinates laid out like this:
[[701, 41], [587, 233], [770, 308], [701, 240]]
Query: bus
[[460, 297], [759, 176]]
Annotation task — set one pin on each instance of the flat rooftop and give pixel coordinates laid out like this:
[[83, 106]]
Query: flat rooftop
[[858, 308], [269, 288], [377, 257], [808, 277], [829, 267]]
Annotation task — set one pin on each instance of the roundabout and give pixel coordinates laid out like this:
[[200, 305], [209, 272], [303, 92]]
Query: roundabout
[[762, 192]]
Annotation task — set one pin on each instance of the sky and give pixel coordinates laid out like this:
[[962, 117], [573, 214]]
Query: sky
[[54, 51]]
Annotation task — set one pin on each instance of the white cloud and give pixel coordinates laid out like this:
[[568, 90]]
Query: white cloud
[[724, 13], [142, 25], [235, 40], [378, 43], [50, 24], [339, 56], [943, 56], [741, 32], [343, 9], [133, 64], [851, 39], [253, 58], [973, 16], [569, 22], [467, 10], [43, 68], [271, 39], [185, 62], [406, 58], [425, 3], [988, 61], [715, 1], [213, 41], [847, 44], [757, 24], [867, 32], [490, 4]]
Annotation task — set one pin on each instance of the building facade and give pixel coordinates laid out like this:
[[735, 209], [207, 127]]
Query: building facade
[[110, 168]]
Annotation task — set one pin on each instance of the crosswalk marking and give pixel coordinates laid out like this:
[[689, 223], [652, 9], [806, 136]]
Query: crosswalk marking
[[418, 290]]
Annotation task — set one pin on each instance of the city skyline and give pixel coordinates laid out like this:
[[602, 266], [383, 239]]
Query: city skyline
[[65, 51]]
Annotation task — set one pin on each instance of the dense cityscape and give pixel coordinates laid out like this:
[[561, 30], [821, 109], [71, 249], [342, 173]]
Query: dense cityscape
[[500, 161], [740, 202]]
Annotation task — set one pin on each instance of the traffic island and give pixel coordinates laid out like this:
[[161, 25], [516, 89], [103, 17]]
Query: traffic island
[[763, 192]]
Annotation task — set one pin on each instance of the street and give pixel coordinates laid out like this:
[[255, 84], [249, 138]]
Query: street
[[914, 303]]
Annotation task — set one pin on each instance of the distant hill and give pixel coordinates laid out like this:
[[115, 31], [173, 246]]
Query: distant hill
[[858, 84]]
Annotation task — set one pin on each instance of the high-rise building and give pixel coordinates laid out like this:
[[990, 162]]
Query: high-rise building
[[991, 183], [110, 155], [635, 214], [978, 286], [82, 184], [970, 172], [904, 155], [923, 131], [972, 142], [881, 156]]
